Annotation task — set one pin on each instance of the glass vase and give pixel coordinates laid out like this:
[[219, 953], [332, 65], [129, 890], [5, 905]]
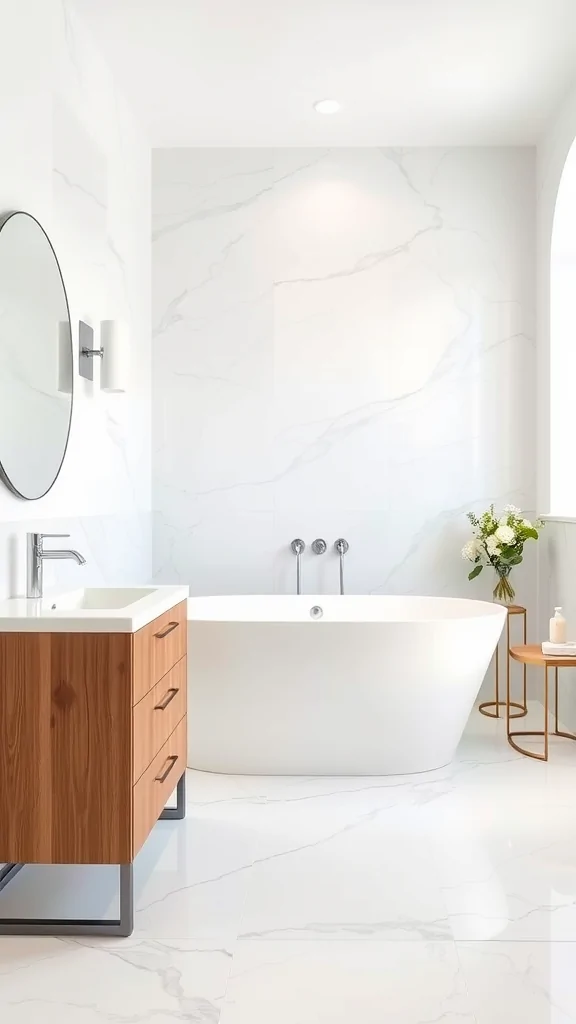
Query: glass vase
[[504, 591]]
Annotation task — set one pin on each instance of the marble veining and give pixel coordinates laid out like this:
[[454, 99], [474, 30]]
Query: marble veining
[[397, 900], [82, 168], [344, 346]]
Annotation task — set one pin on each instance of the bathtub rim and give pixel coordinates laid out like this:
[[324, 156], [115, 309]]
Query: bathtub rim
[[478, 609]]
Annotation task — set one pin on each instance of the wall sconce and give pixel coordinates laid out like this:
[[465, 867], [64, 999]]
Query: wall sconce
[[113, 352], [115, 356]]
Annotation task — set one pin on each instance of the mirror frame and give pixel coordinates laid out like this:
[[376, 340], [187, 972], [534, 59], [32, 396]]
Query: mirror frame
[[4, 218]]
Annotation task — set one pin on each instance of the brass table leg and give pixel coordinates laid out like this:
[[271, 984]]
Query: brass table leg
[[524, 668], [545, 732], [532, 732], [556, 701], [557, 731], [497, 704], [545, 713]]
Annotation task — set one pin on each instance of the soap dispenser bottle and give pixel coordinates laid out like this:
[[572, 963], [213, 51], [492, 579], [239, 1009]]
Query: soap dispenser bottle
[[558, 628]]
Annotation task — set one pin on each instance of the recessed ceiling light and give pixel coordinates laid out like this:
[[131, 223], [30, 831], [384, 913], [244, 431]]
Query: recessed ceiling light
[[327, 107]]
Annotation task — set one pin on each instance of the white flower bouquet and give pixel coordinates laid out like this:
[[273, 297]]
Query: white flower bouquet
[[498, 541]]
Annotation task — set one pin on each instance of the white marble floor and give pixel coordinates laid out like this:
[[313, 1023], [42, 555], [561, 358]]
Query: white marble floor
[[447, 897]]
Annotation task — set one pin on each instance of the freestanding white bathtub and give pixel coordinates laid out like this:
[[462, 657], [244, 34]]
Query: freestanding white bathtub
[[371, 686]]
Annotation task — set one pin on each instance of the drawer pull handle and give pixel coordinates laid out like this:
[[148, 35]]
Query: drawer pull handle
[[170, 761], [168, 696], [169, 628]]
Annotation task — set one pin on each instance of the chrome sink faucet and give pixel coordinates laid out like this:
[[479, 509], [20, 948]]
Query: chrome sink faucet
[[36, 556]]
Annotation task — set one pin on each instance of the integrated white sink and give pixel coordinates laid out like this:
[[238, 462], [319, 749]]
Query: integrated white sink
[[99, 598], [89, 610]]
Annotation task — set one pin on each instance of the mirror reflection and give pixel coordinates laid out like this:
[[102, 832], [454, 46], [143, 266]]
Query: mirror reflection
[[36, 379]]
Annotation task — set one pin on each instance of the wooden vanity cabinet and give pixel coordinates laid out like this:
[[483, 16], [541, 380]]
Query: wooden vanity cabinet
[[92, 740]]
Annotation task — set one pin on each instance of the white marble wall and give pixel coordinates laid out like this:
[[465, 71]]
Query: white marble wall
[[343, 344], [73, 155], [556, 491]]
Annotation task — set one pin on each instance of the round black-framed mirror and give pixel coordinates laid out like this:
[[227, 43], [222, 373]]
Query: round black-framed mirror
[[36, 358]]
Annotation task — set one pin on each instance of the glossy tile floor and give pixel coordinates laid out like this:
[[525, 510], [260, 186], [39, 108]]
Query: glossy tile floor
[[448, 897]]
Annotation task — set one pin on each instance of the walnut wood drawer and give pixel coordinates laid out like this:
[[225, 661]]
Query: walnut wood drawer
[[157, 647], [156, 716], [156, 784]]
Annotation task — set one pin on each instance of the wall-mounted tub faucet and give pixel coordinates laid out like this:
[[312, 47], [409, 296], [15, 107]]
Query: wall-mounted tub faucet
[[341, 546], [298, 546], [319, 546]]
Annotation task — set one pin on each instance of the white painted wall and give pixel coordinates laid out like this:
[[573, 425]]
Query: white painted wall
[[72, 154], [343, 345]]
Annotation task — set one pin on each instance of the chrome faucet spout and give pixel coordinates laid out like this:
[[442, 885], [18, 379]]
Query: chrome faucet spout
[[298, 546], [65, 553], [36, 556], [341, 546]]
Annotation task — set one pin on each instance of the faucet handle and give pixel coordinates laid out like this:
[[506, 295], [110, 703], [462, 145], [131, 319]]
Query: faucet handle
[[298, 546], [36, 540]]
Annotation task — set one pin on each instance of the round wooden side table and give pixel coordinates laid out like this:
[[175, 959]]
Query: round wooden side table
[[531, 654], [512, 609]]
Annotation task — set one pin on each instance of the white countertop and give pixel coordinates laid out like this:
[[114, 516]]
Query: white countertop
[[90, 610]]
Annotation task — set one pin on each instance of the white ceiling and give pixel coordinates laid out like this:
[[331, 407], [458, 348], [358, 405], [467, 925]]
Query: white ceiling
[[407, 72]]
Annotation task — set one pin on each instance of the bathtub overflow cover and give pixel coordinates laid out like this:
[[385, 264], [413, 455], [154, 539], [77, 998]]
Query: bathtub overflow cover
[[316, 612]]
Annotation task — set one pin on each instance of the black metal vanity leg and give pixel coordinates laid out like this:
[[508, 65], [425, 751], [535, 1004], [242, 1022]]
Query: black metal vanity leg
[[8, 872], [178, 812], [126, 900], [122, 927]]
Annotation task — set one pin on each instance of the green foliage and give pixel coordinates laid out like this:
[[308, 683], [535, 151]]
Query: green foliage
[[498, 540]]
